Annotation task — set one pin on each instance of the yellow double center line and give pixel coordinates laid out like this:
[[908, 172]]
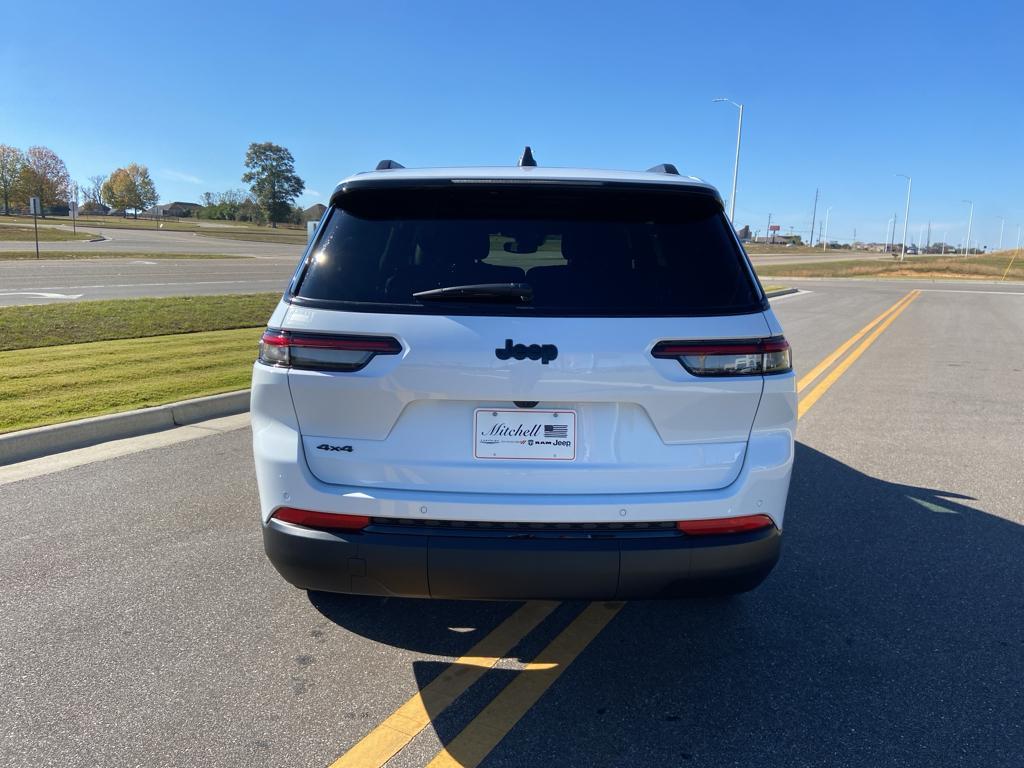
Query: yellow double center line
[[488, 728]]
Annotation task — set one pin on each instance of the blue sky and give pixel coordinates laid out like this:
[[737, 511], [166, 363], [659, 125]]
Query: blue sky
[[838, 96]]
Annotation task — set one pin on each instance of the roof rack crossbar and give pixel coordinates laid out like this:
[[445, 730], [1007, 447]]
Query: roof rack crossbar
[[664, 168], [387, 165]]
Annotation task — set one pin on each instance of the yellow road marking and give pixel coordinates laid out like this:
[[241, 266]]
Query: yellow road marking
[[841, 349], [488, 728], [394, 733], [493, 723], [812, 397]]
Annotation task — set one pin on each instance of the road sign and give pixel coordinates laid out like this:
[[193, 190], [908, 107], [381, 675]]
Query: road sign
[[34, 207], [73, 209], [774, 228]]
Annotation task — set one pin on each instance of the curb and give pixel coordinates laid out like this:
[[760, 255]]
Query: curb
[[781, 292], [56, 438]]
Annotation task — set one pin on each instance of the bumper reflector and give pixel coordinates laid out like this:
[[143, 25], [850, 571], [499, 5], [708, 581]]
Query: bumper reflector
[[321, 519], [724, 525]]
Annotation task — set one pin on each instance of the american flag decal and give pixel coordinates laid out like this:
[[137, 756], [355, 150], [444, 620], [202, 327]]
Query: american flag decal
[[556, 430]]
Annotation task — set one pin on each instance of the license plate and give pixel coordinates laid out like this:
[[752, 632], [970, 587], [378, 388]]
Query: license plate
[[524, 434]]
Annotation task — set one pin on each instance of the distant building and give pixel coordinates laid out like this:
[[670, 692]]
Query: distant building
[[744, 234], [314, 212], [90, 208], [177, 209]]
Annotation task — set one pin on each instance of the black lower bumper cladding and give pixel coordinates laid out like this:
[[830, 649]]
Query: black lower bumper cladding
[[512, 564]]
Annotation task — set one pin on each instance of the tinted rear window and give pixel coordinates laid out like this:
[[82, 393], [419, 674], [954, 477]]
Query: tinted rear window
[[591, 250]]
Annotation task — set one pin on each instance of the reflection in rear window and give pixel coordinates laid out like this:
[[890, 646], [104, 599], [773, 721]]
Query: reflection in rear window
[[582, 251]]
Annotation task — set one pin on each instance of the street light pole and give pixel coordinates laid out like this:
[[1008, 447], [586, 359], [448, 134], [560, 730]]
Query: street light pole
[[906, 214], [1002, 223], [891, 221], [824, 241], [970, 224], [736, 164]]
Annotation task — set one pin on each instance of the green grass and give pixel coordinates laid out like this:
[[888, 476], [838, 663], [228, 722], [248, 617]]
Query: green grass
[[74, 381], [186, 225], [48, 325], [46, 234], [63, 255], [983, 267], [769, 287]]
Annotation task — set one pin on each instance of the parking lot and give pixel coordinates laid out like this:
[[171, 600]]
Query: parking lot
[[143, 624]]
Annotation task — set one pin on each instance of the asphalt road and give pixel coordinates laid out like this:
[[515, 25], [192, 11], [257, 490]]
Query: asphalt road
[[157, 241], [40, 282], [142, 624]]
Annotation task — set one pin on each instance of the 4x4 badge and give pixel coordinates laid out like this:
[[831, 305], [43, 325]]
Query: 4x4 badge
[[543, 352], [329, 447]]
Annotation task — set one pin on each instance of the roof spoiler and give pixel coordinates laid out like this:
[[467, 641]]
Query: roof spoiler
[[664, 168], [388, 165]]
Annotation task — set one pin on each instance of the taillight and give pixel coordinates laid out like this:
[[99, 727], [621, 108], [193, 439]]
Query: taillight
[[744, 357], [321, 519], [724, 525], [321, 352]]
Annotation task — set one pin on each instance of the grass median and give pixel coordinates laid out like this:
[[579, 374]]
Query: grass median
[[19, 234], [48, 385], [985, 267], [60, 362]]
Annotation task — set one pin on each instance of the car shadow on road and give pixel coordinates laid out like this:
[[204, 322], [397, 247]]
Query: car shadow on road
[[891, 633]]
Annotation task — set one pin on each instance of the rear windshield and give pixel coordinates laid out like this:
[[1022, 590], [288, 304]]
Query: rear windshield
[[601, 251]]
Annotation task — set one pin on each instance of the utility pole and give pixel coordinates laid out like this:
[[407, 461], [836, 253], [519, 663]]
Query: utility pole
[[736, 164], [1002, 223], [970, 224], [814, 214], [929, 245], [906, 215], [768, 232], [824, 243]]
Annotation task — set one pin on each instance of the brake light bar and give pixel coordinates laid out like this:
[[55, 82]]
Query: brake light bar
[[740, 357], [323, 352], [321, 519], [724, 525]]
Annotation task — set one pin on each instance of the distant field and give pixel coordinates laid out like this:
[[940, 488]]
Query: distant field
[[756, 249], [63, 255], [221, 228], [87, 321], [46, 234], [983, 267]]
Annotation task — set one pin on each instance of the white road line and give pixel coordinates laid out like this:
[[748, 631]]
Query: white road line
[[279, 281], [41, 295]]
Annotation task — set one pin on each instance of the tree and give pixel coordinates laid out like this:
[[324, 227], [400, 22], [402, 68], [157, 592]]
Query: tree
[[45, 176], [11, 161], [93, 191], [129, 187], [271, 176]]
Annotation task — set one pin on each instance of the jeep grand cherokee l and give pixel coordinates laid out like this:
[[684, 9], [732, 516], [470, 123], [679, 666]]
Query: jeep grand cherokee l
[[523, 382]]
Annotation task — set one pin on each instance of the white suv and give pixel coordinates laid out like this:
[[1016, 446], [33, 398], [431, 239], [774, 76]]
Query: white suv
[[523, 382]]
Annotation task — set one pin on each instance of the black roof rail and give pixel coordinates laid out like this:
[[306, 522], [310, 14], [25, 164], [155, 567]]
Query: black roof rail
[[664, 168], [526, 160], [387, 165]]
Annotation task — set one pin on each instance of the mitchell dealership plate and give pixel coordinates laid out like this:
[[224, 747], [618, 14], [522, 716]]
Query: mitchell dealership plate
[[524, 434]]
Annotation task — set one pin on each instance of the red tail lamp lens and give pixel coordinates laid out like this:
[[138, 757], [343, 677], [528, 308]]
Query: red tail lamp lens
[[321, 519], [724, 525]]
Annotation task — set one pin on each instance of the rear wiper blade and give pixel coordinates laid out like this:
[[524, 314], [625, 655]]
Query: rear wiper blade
[[497, 292]]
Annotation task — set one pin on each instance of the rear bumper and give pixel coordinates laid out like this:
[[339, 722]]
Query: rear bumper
[[383, 561]]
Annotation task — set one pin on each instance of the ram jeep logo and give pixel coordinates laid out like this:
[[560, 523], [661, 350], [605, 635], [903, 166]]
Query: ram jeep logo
[[329, 447], [543, 352]]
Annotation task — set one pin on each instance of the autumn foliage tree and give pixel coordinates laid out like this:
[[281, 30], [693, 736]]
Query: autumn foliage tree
[[11, 160], [43, 175], [272, 179], [129, 188]]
